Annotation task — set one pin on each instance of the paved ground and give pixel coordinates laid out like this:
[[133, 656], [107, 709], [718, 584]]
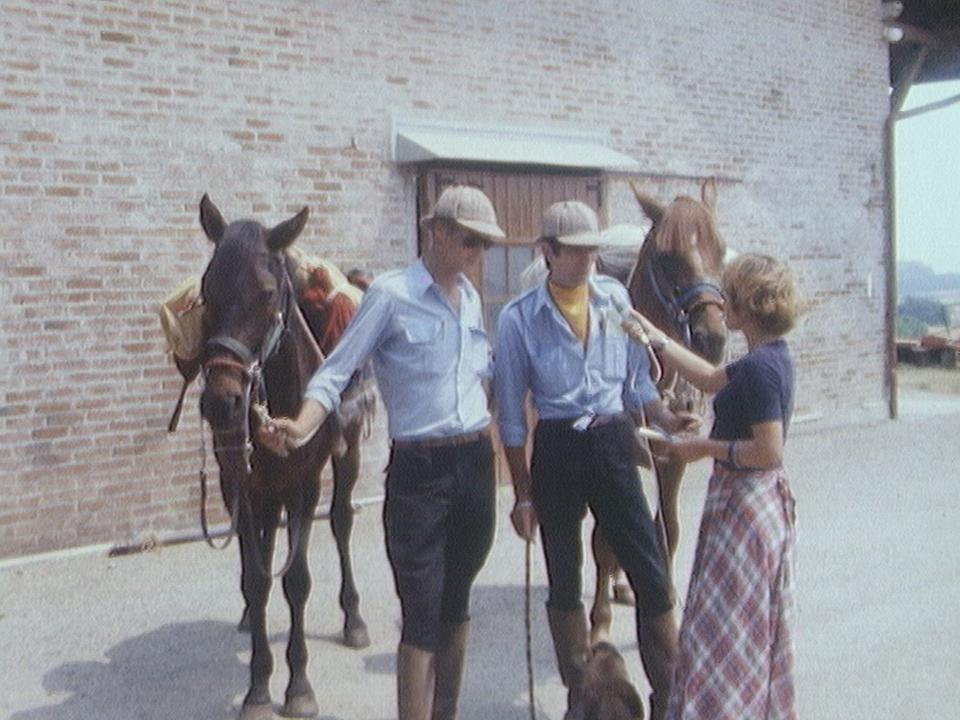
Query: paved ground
[[151, 636]]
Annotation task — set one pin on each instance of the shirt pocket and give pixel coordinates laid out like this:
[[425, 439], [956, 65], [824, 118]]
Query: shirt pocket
[[478, 353], [614, 354], [422, 338], [556, 371]]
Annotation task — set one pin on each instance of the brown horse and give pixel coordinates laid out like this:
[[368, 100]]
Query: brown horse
[[674, 284], [258, 350]]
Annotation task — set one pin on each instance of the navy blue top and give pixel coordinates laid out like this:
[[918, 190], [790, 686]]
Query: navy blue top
[[759, 389]]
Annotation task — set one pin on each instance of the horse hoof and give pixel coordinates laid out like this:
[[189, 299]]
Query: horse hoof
[[257, 712], [301, 706], [244, 624], [356, 637], [623, 594]]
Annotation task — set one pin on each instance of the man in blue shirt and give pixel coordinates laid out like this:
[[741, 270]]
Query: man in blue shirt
[[423, 327], [562, 342]]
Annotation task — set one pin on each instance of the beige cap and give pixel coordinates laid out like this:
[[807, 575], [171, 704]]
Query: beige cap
[[468, 207], [572, 223]]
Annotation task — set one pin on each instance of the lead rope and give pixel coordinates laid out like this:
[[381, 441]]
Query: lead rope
[[234, 511], [527, 628]]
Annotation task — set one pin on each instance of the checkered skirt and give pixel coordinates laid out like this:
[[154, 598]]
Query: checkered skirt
[[736, 650]]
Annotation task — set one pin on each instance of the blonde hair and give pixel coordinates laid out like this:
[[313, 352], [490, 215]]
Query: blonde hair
[[764, 289]]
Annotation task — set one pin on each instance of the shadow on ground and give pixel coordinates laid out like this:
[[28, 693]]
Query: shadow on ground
[[181, 670]]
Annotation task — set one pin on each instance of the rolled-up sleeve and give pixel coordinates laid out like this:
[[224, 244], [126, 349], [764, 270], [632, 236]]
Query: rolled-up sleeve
[[639, 388], [511, 380], [359, 340]]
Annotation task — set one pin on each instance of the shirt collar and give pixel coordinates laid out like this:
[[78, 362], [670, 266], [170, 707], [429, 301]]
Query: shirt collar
[[595, 295], [422, 280]]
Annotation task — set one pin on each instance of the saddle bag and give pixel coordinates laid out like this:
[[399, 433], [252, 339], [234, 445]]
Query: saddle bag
[[181, 317]]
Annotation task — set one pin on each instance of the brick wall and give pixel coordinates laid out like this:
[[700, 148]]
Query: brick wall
[[116, 117]]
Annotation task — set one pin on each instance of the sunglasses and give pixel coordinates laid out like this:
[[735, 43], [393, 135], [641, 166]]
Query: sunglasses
[[472, 240]]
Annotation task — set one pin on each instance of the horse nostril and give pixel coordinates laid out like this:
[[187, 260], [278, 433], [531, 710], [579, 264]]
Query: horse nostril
[[221, 410]]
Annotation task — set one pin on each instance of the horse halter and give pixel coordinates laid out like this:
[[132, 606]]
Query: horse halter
[[682, 304]]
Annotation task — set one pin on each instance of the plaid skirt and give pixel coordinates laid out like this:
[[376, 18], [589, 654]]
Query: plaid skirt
[[736, 650]]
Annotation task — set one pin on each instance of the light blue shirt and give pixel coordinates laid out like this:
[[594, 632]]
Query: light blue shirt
[[537, 351], [430, 360]]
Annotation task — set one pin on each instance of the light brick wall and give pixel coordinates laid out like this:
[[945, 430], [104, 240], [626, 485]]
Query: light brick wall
[[116, 117]]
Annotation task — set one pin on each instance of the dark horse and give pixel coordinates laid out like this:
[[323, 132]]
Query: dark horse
[[258, 349], [674, 284]]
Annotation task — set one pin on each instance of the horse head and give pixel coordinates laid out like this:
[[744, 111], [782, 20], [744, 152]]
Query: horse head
[[675, 279], [248, 298]]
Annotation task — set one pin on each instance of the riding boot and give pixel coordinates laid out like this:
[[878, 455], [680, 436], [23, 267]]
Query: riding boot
[[659, 647], [569, 631], [414, 682], [448, 665]]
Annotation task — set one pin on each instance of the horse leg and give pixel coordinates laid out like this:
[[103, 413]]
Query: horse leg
[[258, 532], [346, 470], [300, 701], [622, 592], [601, 615], [669, 475]]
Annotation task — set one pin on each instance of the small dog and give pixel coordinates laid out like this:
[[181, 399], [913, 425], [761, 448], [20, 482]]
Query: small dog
[[607, 691]]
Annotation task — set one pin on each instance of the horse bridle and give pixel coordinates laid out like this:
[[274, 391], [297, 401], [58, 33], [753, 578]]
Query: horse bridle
[[681, 305], [220, 353]]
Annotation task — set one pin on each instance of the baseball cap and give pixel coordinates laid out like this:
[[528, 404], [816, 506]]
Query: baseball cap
[[468, 207]]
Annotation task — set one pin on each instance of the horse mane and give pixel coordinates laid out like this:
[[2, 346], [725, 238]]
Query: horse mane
[[686, 217]]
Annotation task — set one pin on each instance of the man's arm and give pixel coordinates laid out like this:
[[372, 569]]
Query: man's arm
[[363, 334]]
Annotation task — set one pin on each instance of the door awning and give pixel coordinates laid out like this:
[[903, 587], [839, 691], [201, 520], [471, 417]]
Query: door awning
[[415, 142]]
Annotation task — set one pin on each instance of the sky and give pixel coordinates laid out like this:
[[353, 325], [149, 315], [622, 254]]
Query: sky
[[928, 180]]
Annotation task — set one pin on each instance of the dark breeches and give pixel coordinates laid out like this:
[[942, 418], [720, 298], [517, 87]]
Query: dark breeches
[[439, 520], [595, 468]]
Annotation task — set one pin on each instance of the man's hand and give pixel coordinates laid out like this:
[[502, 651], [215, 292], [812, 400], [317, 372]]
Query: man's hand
[[681, 422], [524, 519], [272, 432]]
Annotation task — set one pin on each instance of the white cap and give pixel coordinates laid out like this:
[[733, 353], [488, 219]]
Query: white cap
[[571, 223], [469, 207]]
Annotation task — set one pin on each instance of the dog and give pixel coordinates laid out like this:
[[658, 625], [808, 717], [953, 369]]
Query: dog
[[607, 692]]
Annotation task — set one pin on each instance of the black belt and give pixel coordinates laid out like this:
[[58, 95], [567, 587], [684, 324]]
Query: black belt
[[442, 442]]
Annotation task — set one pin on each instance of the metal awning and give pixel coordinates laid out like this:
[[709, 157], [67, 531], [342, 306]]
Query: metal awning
[[414, 142]]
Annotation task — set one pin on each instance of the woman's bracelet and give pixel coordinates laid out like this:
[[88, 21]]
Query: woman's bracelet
[[732, 454], [523, 504]]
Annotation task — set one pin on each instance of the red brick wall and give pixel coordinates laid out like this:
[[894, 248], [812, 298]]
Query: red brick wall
[[116, 117]]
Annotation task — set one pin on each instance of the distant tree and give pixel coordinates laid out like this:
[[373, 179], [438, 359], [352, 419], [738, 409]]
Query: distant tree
[[910, 328], [925, 310]]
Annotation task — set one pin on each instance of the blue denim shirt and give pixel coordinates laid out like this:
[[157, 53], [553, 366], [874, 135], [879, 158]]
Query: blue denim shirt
[[537, 351], [430, 361]]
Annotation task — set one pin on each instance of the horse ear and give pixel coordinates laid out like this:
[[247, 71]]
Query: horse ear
[[708, 193], [211, 220], [283, 235], [651, 208]]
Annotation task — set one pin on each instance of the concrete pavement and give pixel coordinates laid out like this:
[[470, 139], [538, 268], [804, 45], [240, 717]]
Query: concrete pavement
[[151, 635]]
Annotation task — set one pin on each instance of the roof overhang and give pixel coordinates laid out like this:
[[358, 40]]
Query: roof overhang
[[421, 142]]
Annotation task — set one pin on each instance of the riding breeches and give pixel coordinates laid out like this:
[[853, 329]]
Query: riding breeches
[[439, 518], [573, 469]]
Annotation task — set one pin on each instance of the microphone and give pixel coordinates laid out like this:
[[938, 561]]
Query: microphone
[[630, 324]]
